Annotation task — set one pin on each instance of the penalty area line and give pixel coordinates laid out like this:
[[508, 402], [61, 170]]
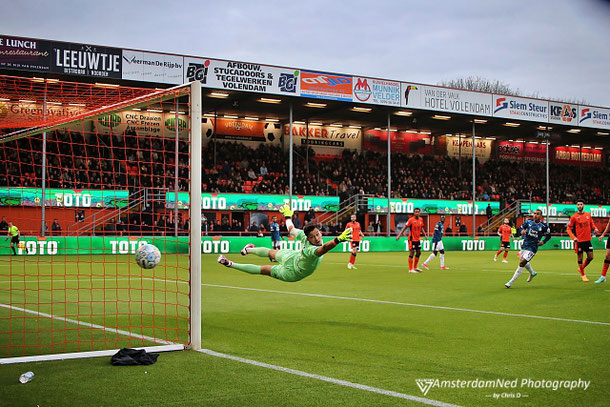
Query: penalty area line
[[339, 382]]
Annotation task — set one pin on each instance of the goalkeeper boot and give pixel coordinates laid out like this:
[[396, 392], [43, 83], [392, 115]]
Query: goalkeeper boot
[[602, 279], [244, 251], [532, 275], [224, 261]]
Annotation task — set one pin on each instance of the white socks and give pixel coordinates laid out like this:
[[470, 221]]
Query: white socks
[[430, 258], [442, 260], [529, 268], [516, 275]]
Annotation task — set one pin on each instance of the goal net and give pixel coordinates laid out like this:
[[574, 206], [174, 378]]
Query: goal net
[[85, 190]]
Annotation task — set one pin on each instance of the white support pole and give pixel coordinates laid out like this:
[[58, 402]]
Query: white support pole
[[195, 215], [290, 163], [176, 174], [43, 230], [388, 221], [474, 184]]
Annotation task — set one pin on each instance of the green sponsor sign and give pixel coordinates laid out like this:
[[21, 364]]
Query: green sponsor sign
[[67, 198], [254, 202], [53, 246], [598, 211], [406, 205]]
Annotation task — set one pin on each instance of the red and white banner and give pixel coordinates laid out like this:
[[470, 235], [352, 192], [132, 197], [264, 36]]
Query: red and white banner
[[401, 142], [376, 91], [573, 156], [530, 152], [595, 117], [517, 108]]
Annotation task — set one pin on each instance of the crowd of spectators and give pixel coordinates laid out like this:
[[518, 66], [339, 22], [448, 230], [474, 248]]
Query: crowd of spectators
[[77, 161]]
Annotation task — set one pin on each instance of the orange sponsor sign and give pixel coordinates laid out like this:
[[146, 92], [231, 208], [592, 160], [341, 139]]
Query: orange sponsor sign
[[326, 86]]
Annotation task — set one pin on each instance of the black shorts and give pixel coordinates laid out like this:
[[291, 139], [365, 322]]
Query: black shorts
[[585, 247], [608, 243], [505, 245], [15, 239], [414, 245], [355, 244]]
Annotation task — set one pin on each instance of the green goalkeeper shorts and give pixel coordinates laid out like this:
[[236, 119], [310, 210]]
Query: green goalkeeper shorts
[[286, 270]]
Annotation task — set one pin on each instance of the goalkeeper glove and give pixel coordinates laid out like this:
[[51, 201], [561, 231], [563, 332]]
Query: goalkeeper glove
[[286, 211], [345, 236]]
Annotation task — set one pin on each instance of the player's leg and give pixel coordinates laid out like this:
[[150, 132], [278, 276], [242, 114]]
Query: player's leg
[[579, 259], [589, 259], [505, 255], [259, 251], [431, 257], [526, 256], [411, 254], [602, 279], [246, 268], [352, 257], [14, 241], [498, 252], [416, 257], [442, 258]]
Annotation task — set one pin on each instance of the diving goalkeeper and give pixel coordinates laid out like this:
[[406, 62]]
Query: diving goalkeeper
[[294, 265]]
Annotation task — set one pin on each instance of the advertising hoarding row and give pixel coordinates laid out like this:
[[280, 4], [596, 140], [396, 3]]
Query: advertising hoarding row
[[86, 60], [67, 198], [60, 246]]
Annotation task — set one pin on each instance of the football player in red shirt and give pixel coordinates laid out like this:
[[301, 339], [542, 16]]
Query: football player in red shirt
[[506, 234], [602, 279], [357, 236], [416, 223], [582, 223]]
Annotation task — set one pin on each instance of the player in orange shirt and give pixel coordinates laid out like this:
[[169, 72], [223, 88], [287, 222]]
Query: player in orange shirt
[[357, 237], [416, 225], [506, 234], [583, 225]]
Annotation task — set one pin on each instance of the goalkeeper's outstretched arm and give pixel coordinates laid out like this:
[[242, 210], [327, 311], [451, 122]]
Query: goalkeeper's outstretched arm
[[287, 213], [328, 246]]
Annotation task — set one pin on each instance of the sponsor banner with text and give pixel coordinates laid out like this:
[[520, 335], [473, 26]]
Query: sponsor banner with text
[[376, 91], [25, 54], [574, 156], [67, 198], [255, 202], [241, 76], [445, 100], [61, 246], [152, 67], [26, 112], [401, 142], [530, 152], [482, 147], [326, 86], [595, 117], [325, 139], [142, 123], [86, 60], [406, 205], [563, 113], [517, 108], [557, 209]]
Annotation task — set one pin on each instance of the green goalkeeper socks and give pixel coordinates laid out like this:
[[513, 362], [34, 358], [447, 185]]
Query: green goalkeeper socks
[[259, 251], [248, 268]]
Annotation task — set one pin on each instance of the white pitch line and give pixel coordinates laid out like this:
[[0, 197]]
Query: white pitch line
[[408, 304], [339, 382], [96, 326]]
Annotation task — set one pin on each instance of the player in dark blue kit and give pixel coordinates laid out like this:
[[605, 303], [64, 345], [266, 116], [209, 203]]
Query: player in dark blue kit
[[533, 232], [274, 228], [437, 245]]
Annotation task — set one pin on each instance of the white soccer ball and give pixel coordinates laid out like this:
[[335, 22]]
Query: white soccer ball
[[148, 256], [273, 132]]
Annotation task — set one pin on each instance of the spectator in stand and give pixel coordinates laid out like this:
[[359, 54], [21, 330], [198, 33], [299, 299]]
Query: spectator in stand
[[263, 170], [371, 229], [463, 230], [251, 175], [3, 225], [253, 227], [55, 228], [489, 212], [109, 227], [448, 231]]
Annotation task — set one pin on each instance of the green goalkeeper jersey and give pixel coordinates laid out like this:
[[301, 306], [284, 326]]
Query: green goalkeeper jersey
[[299, 264], [13, 231]]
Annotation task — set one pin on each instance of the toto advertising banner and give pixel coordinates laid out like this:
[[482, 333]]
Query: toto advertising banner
[[517, 108], [376, 91], [482, 148], [86, 60], [326, 86], [152, 67], [563, 113], [214, 245], [325, 139], [573, 156], [557, 209], [406, 205], [594, 117], [241, 76], [68, 198], [445, 100], [254, 202], [25, 54], [401, 142]]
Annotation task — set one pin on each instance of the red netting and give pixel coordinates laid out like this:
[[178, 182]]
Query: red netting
[[72, 282]]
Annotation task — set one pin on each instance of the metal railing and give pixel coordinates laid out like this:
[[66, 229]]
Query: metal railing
[[145, 197], [509, 212], [354, 204]]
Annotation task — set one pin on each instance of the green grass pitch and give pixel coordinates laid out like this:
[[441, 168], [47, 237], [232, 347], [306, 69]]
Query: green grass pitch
[[376, 326]]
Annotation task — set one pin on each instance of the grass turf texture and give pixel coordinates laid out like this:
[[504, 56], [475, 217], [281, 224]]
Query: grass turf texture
[[384, 345]]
